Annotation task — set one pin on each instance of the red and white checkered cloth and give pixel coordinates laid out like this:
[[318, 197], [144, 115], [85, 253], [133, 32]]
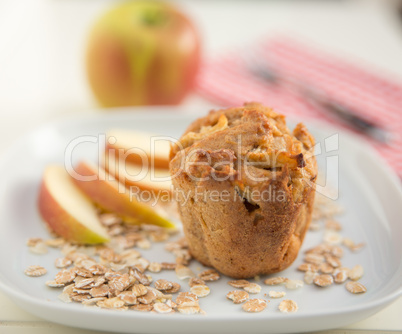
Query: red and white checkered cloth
[[229, 81]]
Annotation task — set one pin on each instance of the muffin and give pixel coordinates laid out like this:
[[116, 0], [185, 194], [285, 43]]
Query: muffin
[[245, 187]]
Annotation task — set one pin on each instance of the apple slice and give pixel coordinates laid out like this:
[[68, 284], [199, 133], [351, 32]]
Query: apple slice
[[113, 196], [67, 211], [122, 142], [156, 180]]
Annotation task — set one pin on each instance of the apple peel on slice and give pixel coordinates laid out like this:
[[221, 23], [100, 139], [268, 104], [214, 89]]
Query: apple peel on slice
[[67, 211], [111, 195]]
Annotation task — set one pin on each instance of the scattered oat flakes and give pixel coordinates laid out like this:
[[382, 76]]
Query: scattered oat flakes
[[275, 280], [120, 267], [196, 281], [308, 267], [65, 298], [55, 243], [35, 271], [162, 285], [332, 237], [100, 291], [68, 249], [320, 249], [85, 283], [326, 268], [323, 280], [109, 274], [31, 242], [356, 273], [293, 284], [185, 299], [337, 251], [241, 283], [118, 230], [142, 307], [171, 303], [109, 219], [92, 301], [62, 262], [357, 247], [160, 296], [119, 283], [82, 272], [159, 236], [189, 309], [162, 308], [79, 298], [68, 289], [253, 288], [98, 281], [171, 246], [314, 226], [144, 244], [313, 258], [89, 265], [130, 253], [254, 305], [140, 277], [209, 275], [348, 242], [39, 248], [79, 291], [144, 263], [155, 267], [175, 288], [149, 297], [309, 277], [183, 272], [288, 306], [128, 297], [355, 287], [340, 275], [332, 224], [53, 284], [139, 290], [333, 261], [182, 253], [200, 290], [182, 261], [168, 266], [276, 294], [150, 279], [238, 296], [111, 303]]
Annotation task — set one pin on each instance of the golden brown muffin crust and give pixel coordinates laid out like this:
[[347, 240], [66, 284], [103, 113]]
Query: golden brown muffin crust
[[244, 153]]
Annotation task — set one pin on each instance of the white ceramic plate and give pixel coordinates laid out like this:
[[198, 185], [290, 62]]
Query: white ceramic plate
[[369, 192]]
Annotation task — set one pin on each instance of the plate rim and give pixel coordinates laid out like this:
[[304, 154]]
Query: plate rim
[[160, 111]]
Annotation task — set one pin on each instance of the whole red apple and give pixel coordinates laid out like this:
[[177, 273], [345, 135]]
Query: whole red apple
[[142, 53]]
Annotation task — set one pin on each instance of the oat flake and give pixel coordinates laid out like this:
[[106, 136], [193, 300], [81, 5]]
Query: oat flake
[[288, 306], [356, 273], [35, 271], [252, 288], [200, 290], [238, 296], [254, 305], [355, 287], [276, 294], [275, 280]]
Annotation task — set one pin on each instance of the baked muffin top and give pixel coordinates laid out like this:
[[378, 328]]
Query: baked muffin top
[[248, 145]]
